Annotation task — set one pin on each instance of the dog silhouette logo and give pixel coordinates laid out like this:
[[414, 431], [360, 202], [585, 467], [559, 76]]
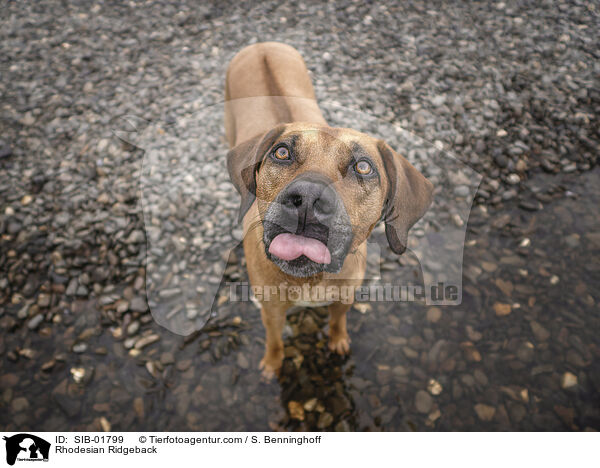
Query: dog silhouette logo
[[26, 447]]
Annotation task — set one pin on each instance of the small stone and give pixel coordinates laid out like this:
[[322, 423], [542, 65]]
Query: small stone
[[138, 407], [434, 387], [78, 374], [296, 410], [104, 424], [136, 237], [521, 165], [311, 404], [8, 380], [79, 348], [485, 412], [461, 191], [457, 220], [363, 307], [43, 300], [103, 198], [167, 358], [502, 309], [71, 406], [554, 280], [573, 357], [72, 287], [48, 365], [472, 354], [27, 353], [138, 304], [568, 380], [325, 420], [400, 371], [438, 100], [423, 402], [342, 426], [237, 320], [28, 119], [122, 306], [513, 179], [308, 326], [509, 194], [526, 242], [434, 314], [184, 365], [242, 361], [572, 240], [434, 415], [35, 321], [133, 327], [151, 368], [501, 160], [23, 312], [19, 404], [397, 340], [146, 340], [505, 286], [540, 333]]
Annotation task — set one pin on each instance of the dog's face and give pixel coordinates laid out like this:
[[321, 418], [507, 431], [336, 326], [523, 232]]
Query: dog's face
[[320, 192]]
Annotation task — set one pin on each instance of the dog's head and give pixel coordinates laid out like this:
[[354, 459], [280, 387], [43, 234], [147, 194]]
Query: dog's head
[[320, 192]]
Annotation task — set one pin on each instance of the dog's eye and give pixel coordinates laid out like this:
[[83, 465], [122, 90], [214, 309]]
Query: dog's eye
[[363, 167], [281, 153]]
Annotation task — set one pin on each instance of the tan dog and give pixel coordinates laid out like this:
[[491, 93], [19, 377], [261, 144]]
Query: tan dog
[[311, 194]]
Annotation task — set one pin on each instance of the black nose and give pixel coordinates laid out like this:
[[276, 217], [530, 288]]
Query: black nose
[[310, 198]]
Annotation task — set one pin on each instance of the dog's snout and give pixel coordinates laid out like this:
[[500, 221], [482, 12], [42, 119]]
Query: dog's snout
[[307, 197]]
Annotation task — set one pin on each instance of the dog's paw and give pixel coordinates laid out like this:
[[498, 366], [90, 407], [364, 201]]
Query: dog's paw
[[270, 367], [339, 344]]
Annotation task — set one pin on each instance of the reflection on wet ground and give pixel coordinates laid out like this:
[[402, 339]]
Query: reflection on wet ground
[[520, 353]]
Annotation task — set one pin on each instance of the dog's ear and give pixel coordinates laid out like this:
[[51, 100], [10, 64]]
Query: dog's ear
[[243, 162], [409, 195]]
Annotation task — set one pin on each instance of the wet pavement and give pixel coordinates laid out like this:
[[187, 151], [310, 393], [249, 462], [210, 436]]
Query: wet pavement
[[520, 353]]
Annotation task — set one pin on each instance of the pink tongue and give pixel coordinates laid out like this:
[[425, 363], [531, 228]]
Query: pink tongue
[[289, 247]]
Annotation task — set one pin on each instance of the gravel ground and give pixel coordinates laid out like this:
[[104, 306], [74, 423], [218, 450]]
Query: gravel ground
[[510, 88]]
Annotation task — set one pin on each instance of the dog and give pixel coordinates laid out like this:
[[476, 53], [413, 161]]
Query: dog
[[310, 194]]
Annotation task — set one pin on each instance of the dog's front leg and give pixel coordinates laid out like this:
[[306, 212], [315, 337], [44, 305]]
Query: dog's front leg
[[339, 341], [273, 318]]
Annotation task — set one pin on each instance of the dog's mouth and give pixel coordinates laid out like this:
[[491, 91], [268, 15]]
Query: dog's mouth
[[305, 253], [310, 243], [291, 246]]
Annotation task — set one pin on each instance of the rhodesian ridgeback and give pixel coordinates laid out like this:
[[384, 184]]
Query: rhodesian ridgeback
[[310, 194]]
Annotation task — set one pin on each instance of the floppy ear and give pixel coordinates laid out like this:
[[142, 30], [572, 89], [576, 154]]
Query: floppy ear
[[409, 196], [243, 162]]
